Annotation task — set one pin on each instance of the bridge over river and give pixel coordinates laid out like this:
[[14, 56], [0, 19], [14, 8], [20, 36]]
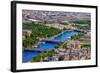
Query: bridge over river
[[34, 49], [53, 41]]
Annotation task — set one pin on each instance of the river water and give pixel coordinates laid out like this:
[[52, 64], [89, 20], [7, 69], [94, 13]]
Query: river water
[[27, 55]]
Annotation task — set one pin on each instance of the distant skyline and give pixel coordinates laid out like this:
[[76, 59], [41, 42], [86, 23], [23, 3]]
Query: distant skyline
[[54, 16]]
